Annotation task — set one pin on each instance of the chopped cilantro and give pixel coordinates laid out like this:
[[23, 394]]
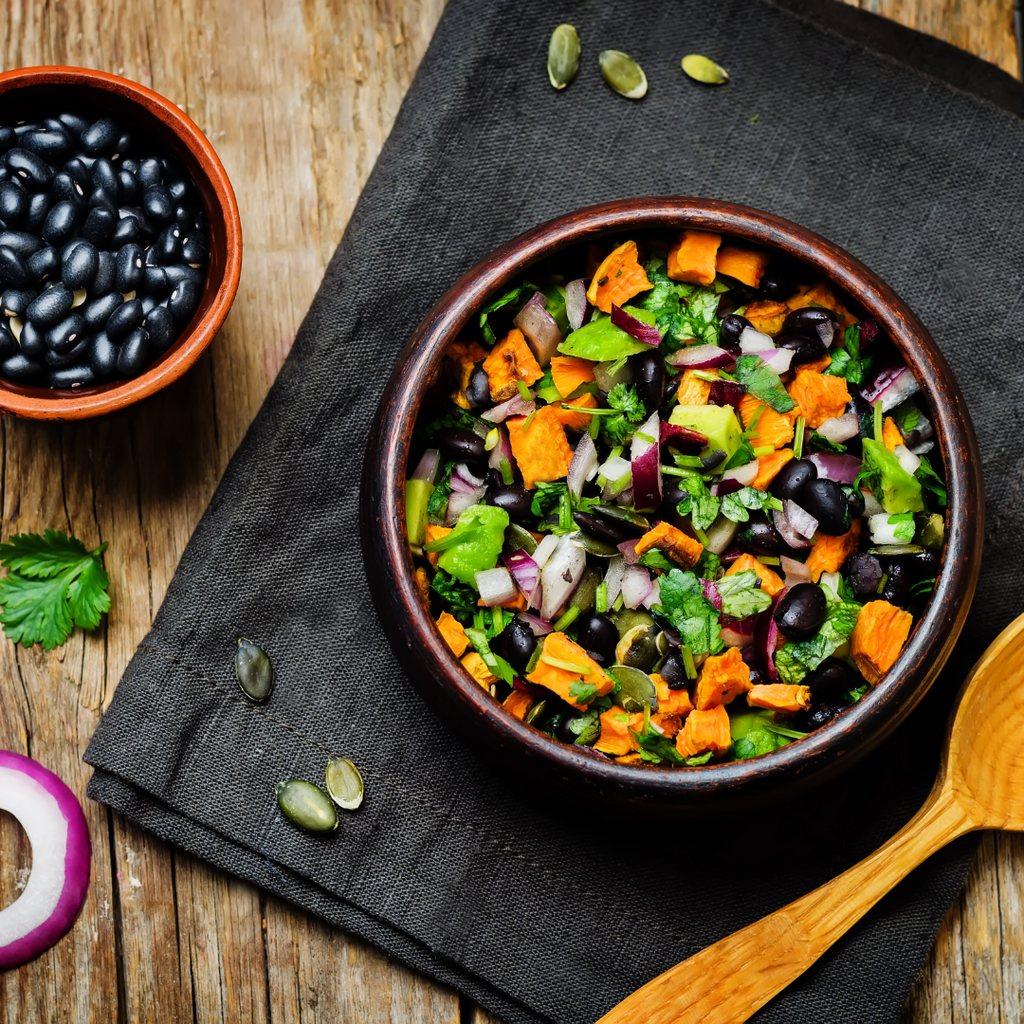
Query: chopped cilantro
[[587, 727], [438, 501], [547, 498], [658, 748], [460, 598], [709, 566], [818, 443], [847, 361], [697, 502], [581, 692], [509, 304], [699, 759], [618, 429], [737, 506], [855, 695], [744, 455], [796, 658], [761, 381], [742, 595], [931, 481], [690, 613], [654, 559], [498, 665]]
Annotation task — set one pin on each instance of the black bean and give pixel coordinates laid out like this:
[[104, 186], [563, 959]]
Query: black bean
[[74, 124], [757, 677], [99, 226], [103, 355], [669, 508], [66, 188], [51, 306], [515, 499], [38, 207], [5, 172], [155, 283], [598, 635], [181, 191], [602, 529], [805, 347], [898, 583], [13, 270], [129, 268], [22, 242], [864, 573], [127, 230], [791, 479], [151, 172], [134, 353], [80, 266], [148, 303], [172, 169], [775, 285], [162, 331], [106, 274], [824, 499], [732, 327], [761, 536], [673, 669], [811, 320], [183, 216], [648, 375], [830, 680], [124, 319], [460, 445], [168, 245], [8, 138], [820, 715], [478, 391], [177, 272], [32, 170], [73, 377], [184, 301], [855, 501], [21, 369], [8, 345], [50, 145], [61, 222], [98, 310], [129, 189], [63, 337], [130, 164], [195, 250], [101, 199], [33, 340], [13, 202], [15, 301], [78, 353], [100, 138], [157, 203], [104, 176], [80, 173], [516, 644], [802, 611], [44, 264], [150, 257]]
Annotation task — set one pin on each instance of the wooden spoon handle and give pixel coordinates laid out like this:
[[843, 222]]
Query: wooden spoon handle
[[727, 982]]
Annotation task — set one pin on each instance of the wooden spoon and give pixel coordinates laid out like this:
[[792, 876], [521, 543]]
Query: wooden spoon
[[980, 785]]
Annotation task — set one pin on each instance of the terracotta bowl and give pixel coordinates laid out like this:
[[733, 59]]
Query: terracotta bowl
[[519, 748], [46, 91]]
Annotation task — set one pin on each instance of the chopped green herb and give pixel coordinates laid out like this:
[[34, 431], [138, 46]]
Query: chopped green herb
[[691, 614], [761, 381]]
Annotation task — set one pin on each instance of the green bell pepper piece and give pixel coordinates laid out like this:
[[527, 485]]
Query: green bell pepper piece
[[891, 484], [474, 544]]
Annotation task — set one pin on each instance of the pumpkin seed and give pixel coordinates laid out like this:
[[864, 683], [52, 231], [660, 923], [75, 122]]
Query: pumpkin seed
[[638, 648], [627, 618], [306, 805], [344, 783], [563, 56], [703, 69], [537, 711], [636, 689], [518, 538], [623, 74], [253, 671], [594, 546]]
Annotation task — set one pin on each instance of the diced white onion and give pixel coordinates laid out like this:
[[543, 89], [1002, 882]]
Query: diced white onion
[[752, 340], [495, 586], [636, 586], [908, 460]]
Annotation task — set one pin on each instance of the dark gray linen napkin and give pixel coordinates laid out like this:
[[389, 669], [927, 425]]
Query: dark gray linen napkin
[[539, 912]]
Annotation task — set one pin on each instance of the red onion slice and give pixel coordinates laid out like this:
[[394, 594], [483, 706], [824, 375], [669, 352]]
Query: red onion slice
[[892, 386], [61, 859], [536, 623], [796, 572], [711, 593], [800, 519], [766, 636], [701, 357], [645, 461], [502, 450], [779, 359], [495, 586], [752, 341], [524, 569], [628, 549], [515, 406], [539, 329], [788, 534], [684, 440], [744, 475], [726, 392], [647, 333], [583, 465], [636, 586], [654, 597], [840, 428], [427, 467], [843, 469], [577, 308]]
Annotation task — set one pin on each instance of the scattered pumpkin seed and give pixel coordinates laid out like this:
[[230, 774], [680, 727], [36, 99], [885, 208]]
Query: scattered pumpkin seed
[[623, 74], [638, 648], [563, 56], [306, 805], [636, 689], [703, 69], [253, 671], [344, 783]]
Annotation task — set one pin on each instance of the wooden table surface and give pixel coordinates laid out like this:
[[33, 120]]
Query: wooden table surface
[[297, 98]]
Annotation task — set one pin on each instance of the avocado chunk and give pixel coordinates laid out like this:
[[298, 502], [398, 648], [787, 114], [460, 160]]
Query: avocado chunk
[[717, 423]]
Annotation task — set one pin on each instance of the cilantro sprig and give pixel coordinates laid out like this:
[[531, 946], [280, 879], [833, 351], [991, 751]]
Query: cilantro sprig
[[53, 584]]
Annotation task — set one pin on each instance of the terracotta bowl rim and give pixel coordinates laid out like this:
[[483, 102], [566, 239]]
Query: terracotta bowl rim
[[66, 404], [473, 712]]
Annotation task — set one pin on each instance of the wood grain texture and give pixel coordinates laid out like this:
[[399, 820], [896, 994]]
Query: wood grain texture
[[297, 98]]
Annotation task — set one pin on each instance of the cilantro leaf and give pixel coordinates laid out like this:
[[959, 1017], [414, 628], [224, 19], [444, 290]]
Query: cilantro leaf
[[931, 481], [744, 455], [509, 304], [587, 727], [654, 559], [847, 361], [581, 692], [661, 748], [460, 597], [438, 500], [53, 584], [498, 665], [684, 312], [757, 742], [794, 660], [708, 567], [618, 429], [742, 595], [547, 498], [761, 381], [738, 505], [818, 443], [698, 502], [690, 613]]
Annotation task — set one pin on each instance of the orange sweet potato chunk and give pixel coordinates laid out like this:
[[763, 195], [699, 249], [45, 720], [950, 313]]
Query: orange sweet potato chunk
[[671, 702], [723, 677], [422, 584], [475, 666], [891, 436], [821, 294], [577, 420], [459, 359], [539, 446], [772, 429], [819, 396], [618, 279], [745, 265], [692, 389], [617, 728], [703, 731], [559, 647], [517, 703], [821, 365], [767, 316], [771, 584], [780, 697], [511, 361], [768, 467], [881, 631], [673, 543], [569, 372], [694, 258], [453, 633], [829, 553], [435, 533]]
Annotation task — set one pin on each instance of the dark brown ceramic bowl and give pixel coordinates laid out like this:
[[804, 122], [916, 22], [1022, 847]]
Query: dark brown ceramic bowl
[[517, 747], [47, 91]]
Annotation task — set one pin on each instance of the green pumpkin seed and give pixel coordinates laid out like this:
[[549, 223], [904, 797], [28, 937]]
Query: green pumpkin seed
[[638, 648], [594, 546], [253, 671], [537, 711], [344, 783], [636, 689], [623, 74], [518, 538], [895, 550], [306, 805], [703, 69], [563, 56]]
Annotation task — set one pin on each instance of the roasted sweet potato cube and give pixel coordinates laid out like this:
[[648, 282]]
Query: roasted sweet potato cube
[[723, 677]]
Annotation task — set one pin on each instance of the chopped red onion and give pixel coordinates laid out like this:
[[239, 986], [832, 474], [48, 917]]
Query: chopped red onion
[[654, 597], [738, 633], [701, 357], [545, 549], [827, 331], [892, 385], [502, 450], [495, 586], [645, 460], [647, 333], [515, 406], [465, 474], [458, 502], [843, 469], [720, 535], [752, 341], [61, 859], [743, 475], [840, 428], [559, 576], [766, 636], [613, 578], [427, 467], [731, 554], [779, 359], [628, 550], [908, 460], [868, 330], [636, 586], [800, 519], [788, 534], [684, 440], [524, 569], [577, 308], [796, 572], [711, 593], [536, 623], [539, 329], [726, 392], [583, 466]]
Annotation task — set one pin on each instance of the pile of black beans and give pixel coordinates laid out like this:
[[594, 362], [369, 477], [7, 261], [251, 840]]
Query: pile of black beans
[[103, 251]]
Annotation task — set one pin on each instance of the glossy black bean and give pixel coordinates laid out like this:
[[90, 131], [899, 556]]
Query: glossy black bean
[[106, 274], [8, 138], [104, 176], [183, 215], [927, 564], [855, 502], [802, 611], [776, 285], [33, 340], [181, 191], [757, 676], [760, 535], [648, 376], [184, 301], [194, 249], [172, 169], [78, 353], [598, 635], [148, 303], [124, 319], [52, 146], [66, 334], [15, 301], [101, 199], [805, 347], [100, 138], [819, 716], [80, 266], [22, 242], [129, 163], [830, 680], [900, 579], [154, 282], [65, 188], [150, 257], [824, 499], [99, 226], [13, 270], [38, 208], [601, 529], [460, 445], [134, 353], [73, 377], [61, 222], [8, 344], [516, 644], [21, 369], [791, 479], [78, 170], [44, 265], [162, 330], [673, 670], [51, 306], [32, 170], [515, 499], [13, 202], [864, 573], [126, 231], [5, 172], [129, 266], [157, 203], [669, 508], [103, 355], [151, 172], [129, 188], [97, 312], [74, 124], [811, 320], [732, 327], [168, 245], [177, 272]]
